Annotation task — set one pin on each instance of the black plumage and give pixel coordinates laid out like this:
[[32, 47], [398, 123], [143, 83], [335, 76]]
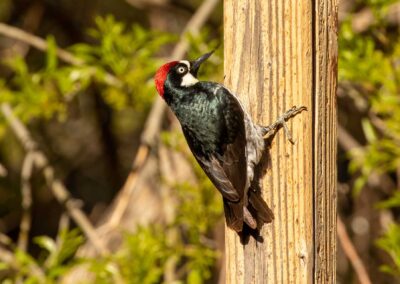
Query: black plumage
[[213, 122]]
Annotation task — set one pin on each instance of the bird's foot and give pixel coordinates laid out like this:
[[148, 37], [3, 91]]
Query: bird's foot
[[281, 122]]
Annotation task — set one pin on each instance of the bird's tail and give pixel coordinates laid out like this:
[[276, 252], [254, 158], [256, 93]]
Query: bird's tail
[[234, 215], [259, 209], [254, 215]]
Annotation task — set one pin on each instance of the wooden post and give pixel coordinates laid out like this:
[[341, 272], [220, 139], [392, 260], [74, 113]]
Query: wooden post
[[281, 53]]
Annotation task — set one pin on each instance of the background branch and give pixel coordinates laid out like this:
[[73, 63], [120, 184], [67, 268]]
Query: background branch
[[60, 192], [41, 44], [6, 245], [9, 258], [3, 171], [351, 253], [26, 195], [37, 42]]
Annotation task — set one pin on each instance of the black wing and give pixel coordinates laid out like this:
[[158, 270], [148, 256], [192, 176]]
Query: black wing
[[225, 162]]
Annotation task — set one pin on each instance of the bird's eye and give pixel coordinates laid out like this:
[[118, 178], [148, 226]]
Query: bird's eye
[[181, 70]]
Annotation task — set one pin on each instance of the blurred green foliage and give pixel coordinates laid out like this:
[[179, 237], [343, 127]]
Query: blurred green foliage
[[372, 64], [55, 260], [143, 256], [121, 64], [199, 210], [186, 241], [370, 61], [390, 242], [141, 259]]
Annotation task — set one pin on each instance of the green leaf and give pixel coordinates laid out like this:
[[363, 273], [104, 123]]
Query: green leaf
[[194, 277], [390, 242], [51, 55], [369, 131], [359, 185], [393, 201], [46, 243], [18, 65], [4, 266]]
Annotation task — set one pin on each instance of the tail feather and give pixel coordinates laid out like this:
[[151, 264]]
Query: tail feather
[[259, 209], [234, 215], [248, 219], [255, 215]]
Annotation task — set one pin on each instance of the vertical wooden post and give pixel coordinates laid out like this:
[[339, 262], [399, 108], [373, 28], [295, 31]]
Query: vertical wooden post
[[281, 53]]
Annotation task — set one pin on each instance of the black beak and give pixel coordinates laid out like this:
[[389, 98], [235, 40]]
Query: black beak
[[195, 65]]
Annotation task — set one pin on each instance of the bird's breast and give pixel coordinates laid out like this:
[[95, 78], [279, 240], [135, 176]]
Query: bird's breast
[[202, 124]]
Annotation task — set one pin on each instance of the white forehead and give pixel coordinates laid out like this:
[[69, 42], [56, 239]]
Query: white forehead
[[186, 63]]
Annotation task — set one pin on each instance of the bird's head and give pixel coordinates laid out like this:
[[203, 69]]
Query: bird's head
[[178, 73]]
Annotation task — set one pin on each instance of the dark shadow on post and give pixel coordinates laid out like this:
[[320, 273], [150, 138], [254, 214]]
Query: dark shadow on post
[[256, 186]]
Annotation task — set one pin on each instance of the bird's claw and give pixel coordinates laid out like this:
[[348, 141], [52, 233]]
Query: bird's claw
[[281, 122]]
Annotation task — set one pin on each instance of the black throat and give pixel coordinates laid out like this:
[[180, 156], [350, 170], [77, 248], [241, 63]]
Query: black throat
[[174, 94]]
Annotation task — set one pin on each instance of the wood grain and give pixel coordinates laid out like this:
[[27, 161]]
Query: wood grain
[[281, 53], [325, 139]]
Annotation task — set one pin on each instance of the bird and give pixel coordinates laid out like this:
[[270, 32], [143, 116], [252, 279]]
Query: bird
[[222, 136]]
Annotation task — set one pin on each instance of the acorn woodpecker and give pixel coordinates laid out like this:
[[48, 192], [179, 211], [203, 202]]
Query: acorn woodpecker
[[225, 141]]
